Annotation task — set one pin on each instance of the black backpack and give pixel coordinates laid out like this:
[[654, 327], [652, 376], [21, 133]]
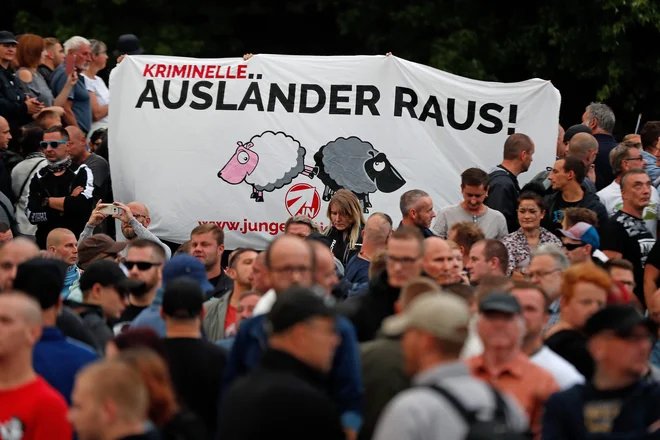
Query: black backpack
[[495, 429]]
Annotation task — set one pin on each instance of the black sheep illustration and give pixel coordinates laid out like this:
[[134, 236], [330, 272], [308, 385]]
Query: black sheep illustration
[[356, 165]]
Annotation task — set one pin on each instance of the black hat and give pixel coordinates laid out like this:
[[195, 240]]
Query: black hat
[[500, 302], [7, 37], [321, 238], [128, 44], [108, 273], [619, 318], [183, 298], [42, 279], [296, 305], [575, 129]]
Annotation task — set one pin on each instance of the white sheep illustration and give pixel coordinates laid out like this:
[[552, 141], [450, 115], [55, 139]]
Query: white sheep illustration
[[267, 162]]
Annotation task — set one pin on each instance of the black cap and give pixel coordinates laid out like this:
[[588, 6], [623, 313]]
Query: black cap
[[500, 302], [296, 305], [575, 129], [108, 273], [619, 318], [7, 37], [321, 238], [42, 279], [128, 44], [183, 298]]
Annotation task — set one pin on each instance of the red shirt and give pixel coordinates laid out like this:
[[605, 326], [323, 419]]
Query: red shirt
[[230, 317], [34, 411]]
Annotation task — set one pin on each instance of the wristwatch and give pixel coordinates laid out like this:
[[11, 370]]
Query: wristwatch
[[44, 202]]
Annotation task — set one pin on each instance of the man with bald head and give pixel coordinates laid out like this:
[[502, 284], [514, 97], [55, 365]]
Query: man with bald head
[[62, 244], [110, 401], [294, 262], [439, 261], [12, 254], [23, 394], [135, 220], [80, 154], [374, 240]]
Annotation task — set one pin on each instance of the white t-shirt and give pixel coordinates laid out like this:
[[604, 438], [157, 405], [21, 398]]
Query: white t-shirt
[[97, 85], [564, 372], [610, 196]]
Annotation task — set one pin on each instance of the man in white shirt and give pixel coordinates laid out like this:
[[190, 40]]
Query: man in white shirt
[[623, 158], [474, 188], [534, 303]]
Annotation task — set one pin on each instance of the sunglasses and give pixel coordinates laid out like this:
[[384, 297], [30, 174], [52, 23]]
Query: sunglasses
[[572, 246], [52, 144], [141, 265]]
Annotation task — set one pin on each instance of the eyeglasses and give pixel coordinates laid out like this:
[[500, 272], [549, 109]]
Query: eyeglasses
[[141, 265], [573, 246], [290, 270], [540, 273], [634, 158], [140, 215], [52, 144]]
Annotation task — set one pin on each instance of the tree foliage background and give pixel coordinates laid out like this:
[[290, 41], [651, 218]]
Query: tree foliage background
[[604, 50]]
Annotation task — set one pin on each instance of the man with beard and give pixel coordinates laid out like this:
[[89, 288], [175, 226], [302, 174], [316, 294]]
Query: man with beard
[[144, 261], [207, 243], [135, 220]]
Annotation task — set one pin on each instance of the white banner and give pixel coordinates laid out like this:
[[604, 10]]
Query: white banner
[[246, 144]]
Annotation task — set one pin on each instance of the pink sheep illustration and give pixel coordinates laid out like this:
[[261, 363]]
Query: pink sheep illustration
[[267, 162]]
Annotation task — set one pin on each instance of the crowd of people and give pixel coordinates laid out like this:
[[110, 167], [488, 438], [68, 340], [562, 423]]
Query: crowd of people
[[517, 313]]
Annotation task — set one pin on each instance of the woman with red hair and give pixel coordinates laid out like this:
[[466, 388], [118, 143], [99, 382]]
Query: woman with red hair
[[173, 422], [29, 53]]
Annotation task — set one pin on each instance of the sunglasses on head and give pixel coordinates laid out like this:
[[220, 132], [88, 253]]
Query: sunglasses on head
[[52, 144], [572, 246], [141, 265]]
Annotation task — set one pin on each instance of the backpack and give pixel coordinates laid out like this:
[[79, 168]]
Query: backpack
[[495, 429]]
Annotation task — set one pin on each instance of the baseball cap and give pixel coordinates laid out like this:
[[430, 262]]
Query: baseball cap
[[500, 302], [619, 318], [128, 44], [108, 273], [184, 265], [96, 247], [183, 298], [42, 279], [583, 232], [7, 37], [575, 129], [296, 305], [443, 315]]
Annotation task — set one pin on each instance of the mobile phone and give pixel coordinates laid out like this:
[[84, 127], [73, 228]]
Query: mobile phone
[[70, 63], [110, 210]]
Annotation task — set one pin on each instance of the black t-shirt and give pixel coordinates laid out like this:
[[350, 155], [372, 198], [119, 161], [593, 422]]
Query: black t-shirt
[[601, 408], [628, 235], [572, 346], [196, 366], [556, 217]]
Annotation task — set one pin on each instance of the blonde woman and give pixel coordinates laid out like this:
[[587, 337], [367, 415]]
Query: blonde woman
[[345, 233]]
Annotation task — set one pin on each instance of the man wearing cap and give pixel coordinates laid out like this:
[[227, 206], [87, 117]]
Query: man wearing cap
[[56, 358], [624, 158], [99, 247], [195, 364], [181, 265], [434, 329], [291, 263], [127, 44], [581, 241], [14, 105], [625, 235], [501, 328], [617, 402], [291, 376], [105, 288]]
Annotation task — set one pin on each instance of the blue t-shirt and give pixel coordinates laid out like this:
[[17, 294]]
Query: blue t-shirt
[[357, 270], [79, 96]]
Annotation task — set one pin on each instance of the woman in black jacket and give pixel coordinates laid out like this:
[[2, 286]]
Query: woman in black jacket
[[345, 233]]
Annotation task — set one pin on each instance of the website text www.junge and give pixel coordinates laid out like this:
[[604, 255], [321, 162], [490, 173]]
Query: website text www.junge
[[272, 228]]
